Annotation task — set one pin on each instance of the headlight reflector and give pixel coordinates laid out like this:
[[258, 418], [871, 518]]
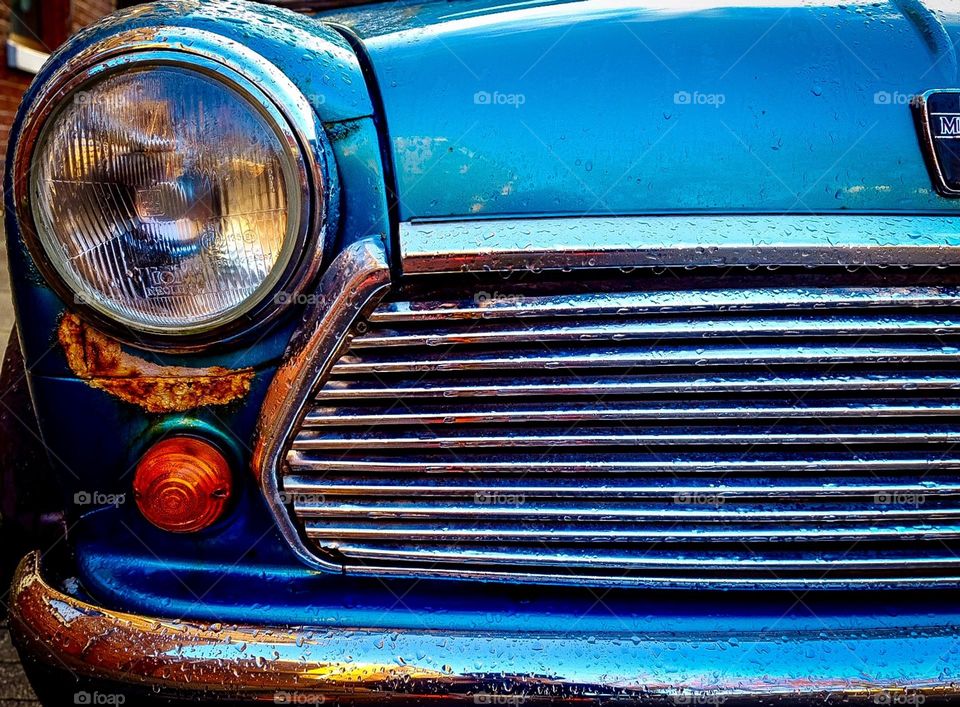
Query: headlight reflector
[[166, 199]]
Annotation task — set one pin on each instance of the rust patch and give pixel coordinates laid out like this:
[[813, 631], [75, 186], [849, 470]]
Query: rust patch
[[103, 364]]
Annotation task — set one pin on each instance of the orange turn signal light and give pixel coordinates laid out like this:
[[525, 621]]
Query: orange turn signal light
[[182, 484]]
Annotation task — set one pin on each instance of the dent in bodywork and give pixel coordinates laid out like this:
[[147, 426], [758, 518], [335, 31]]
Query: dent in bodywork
[[103, 364]]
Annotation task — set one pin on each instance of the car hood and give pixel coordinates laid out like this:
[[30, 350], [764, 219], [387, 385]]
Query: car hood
[[612, 107]]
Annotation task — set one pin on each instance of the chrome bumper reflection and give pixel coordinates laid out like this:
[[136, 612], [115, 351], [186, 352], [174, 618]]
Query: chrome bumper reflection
[[367, 666]]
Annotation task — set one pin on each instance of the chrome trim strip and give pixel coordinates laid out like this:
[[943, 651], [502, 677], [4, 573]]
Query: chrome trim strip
[[355, 282], [677, 241], [674, 302], [374, 666]]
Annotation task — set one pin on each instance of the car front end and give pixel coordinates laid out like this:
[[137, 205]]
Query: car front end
[[497, 353]]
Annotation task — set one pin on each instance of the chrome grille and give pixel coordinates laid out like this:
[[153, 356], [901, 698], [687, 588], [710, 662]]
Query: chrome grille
[[788, 437]]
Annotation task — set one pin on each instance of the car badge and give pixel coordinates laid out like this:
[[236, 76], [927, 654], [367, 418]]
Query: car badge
[[937, 114]]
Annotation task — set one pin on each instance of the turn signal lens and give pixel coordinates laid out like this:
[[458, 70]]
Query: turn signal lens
[[182, 484]]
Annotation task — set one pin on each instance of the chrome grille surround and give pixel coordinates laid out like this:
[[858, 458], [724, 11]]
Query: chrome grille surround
[[651, 432], [354, 282]]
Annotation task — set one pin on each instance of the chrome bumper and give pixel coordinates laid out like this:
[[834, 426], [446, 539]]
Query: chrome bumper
[[366, 666]]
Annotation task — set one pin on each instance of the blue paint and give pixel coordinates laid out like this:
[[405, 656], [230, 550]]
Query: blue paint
[[605, 107], [536, 108]]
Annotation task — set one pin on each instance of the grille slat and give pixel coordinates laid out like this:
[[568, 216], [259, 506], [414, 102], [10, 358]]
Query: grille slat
[[564, 488], [535, 557], [309, 463], [496, 332], [667, 513], [792, 437], [331, 534], [311, 440], [386, 415], [599, 387], [487, 307], [624, 357]]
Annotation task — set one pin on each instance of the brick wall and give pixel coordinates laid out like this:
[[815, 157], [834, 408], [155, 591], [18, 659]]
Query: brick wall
[[87, 12], [12, 82]]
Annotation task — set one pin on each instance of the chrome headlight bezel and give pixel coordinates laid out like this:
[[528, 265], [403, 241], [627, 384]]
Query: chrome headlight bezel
[[283, 107]]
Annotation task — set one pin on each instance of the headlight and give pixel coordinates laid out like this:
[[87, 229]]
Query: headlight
[[170, 196]]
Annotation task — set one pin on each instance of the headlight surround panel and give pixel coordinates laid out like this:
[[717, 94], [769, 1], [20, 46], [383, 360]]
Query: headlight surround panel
[[309, 181]]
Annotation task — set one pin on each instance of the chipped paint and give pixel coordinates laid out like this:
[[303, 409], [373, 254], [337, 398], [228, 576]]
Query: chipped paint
[[103, 364], [416, 152]]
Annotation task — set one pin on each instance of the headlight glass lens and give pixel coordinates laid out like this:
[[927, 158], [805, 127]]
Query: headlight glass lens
[[166, 199]]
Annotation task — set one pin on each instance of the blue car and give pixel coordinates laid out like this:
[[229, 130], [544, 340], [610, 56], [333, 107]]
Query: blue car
[[496, 352]]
